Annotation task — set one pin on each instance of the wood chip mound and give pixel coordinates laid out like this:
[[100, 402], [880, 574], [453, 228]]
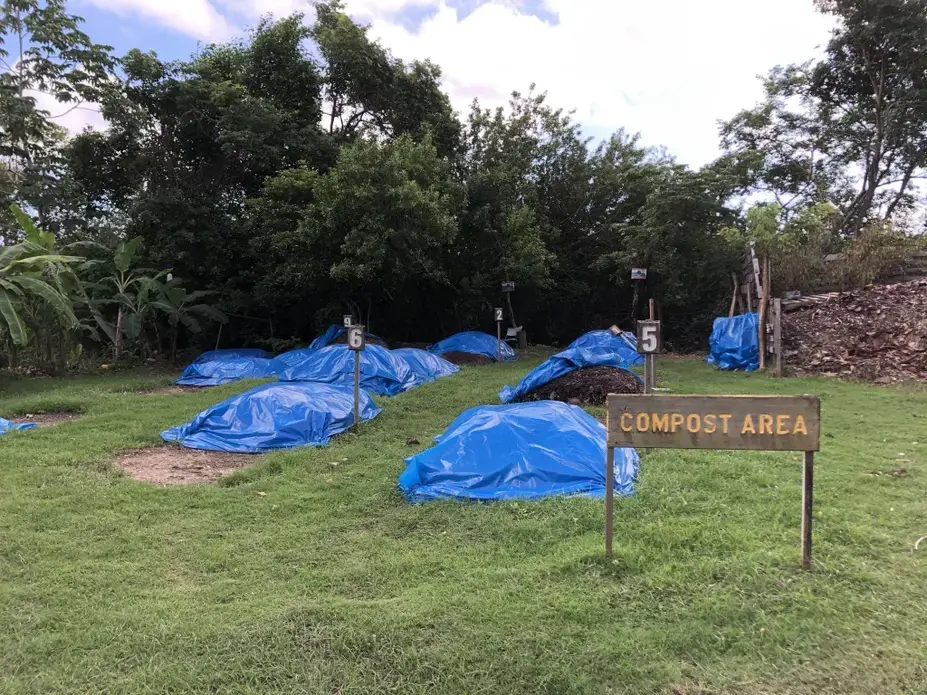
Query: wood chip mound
[[46, 419], [459, 358], [587, 386], [173, 465], [876, 334]]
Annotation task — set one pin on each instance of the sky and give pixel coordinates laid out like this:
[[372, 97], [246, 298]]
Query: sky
[[667, 69]]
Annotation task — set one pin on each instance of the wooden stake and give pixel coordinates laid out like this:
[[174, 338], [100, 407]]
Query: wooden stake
[[650, 364], [807, 503], [357, 362], [730, 314], [609, 497], [761, 327], [777, 337], [498, 341]]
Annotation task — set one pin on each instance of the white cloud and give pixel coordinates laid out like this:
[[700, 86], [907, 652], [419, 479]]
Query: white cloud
[[72, 117], [196, 18], [669, 69]]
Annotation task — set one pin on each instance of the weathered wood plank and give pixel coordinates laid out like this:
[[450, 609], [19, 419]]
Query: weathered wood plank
[[773, 423]]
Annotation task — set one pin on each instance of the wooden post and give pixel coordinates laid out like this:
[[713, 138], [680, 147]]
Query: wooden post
[[498, 341], [777, 337], [609, 497], [218, 337], [357, 365], [761, 325], [730, 314], [650, 365], [807, 503]]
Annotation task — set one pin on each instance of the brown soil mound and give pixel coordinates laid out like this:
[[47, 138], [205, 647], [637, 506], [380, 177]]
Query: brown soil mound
[[458, 357], [173, 465], [588, 386], [877, 334], [343, 340], [47, 419]]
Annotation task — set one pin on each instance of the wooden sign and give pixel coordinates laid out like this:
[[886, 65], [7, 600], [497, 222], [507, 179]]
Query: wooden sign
[[498, 313], [347, 320], [508, 286], [638, 273], [649, 340], [768, 423], [356, 338], [764, 423]]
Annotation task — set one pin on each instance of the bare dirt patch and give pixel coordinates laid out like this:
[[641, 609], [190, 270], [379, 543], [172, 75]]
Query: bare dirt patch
[[459, 358], [173, 465], [588, 386], [173, 390], [47, 419]]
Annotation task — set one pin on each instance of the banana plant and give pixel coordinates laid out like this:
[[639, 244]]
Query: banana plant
[[29, 271], [182, 307]]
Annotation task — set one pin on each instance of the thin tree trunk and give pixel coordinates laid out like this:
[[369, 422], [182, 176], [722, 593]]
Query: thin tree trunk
[[120, 321], [174, 344]]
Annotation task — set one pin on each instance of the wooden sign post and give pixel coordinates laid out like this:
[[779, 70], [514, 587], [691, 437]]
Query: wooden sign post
[[357, 341], [757, 423], [498, 314], [347, 320], [649, 342]]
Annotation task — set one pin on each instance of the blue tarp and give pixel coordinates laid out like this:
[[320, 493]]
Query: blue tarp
[[224, 371], [7, 426], [563, 363], [231, 353], [425, 366], [734, 343], [474, 342], [273, 416], [331, 334], [624, 344], [295, 356], [381, 371], [519, 451]]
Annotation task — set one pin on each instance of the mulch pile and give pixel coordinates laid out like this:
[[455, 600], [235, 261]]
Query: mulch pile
[[875, 334], [458, 357], [343, 340], [588, 386]]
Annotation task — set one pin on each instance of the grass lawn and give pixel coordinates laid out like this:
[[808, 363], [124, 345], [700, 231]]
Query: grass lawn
[[297, 575]]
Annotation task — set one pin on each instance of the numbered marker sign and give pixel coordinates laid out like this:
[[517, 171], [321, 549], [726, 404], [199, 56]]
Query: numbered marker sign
[[498, 312], [356, 338], [348, 320], [649, 340]]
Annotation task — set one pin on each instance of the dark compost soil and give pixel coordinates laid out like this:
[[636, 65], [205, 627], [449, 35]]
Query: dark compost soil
[[589, 386], [458, 358]]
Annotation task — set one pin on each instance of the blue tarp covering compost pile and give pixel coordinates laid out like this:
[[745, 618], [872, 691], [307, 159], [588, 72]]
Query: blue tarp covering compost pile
[[734, 343], [231, 353], [519, 451], [381, 371], [624, 344], [474, 342], [224, 371], [273, 416], [331, 334], [7, 426], [563, 363], [425, 366]]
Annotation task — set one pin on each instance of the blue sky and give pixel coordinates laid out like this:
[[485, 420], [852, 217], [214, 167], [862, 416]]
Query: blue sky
[[668, 69]]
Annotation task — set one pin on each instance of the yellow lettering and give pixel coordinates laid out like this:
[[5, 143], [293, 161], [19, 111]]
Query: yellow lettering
[[660, 422], [694, 423], [748, 427], [725, 418], [800, 426], [782, 424], [676, 421], [711, 424], [630, 424], [766, 424], [643, 422]]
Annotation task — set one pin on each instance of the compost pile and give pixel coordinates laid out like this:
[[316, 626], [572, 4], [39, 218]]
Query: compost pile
[[587, 386], [875, 334], [371, 340], [458, 357]]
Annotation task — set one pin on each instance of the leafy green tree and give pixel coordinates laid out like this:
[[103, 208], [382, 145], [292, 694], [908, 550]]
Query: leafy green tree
[[184, 308], [42, 50]]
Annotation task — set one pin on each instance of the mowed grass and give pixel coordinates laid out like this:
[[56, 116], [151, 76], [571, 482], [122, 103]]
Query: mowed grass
[[309, 573]]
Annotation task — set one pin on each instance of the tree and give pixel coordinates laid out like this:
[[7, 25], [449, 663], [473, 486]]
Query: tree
[[850, 129], [182, 307], [42, 51], [27, 273]]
